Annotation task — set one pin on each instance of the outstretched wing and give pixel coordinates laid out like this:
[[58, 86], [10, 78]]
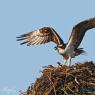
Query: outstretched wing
[[79, 31], [41, 36]]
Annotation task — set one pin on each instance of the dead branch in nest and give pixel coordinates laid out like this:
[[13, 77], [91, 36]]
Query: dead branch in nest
[[77, 79]]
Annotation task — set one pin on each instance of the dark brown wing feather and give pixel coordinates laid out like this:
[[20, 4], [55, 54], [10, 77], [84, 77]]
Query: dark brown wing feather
[[41, 36], [79, 31]]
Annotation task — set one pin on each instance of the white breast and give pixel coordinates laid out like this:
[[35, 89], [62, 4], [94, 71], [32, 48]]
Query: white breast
[[60, 50]]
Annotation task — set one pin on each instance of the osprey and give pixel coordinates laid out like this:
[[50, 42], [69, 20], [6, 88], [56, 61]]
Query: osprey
[[47, 34]]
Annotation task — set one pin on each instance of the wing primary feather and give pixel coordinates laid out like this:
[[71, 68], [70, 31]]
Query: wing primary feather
[[24, 35], [29, 44], [34, 40], [37, 41], [24, 42], [43, 40], [21, 39]]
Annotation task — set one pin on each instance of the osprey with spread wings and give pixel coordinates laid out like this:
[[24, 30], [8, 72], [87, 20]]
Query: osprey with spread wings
[[47, 34]]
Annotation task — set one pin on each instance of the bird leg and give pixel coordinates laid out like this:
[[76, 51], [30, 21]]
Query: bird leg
[[65, 62], [70, 61]]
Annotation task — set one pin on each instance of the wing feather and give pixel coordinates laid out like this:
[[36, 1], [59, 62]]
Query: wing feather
[[39, 41], [79, 31], [41, 36]]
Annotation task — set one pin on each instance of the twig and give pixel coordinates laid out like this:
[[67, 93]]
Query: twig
[[52, 84]]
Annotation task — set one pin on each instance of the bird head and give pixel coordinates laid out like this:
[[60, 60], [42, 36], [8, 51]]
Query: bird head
[[57, 47], [61, 46]]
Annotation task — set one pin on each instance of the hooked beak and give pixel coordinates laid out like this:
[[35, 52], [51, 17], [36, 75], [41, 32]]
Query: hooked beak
[[55, 48]]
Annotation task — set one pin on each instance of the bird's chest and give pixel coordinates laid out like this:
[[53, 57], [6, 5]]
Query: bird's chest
[[62, 52]]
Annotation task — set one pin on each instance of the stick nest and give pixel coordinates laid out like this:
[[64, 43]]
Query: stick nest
[[78, 79]]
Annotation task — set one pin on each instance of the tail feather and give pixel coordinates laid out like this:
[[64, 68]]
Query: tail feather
[[80, 51]]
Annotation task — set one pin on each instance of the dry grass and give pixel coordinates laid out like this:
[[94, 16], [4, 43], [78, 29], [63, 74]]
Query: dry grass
[[78, 79]]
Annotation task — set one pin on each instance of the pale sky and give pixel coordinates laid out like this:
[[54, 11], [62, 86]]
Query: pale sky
[[21, 65]]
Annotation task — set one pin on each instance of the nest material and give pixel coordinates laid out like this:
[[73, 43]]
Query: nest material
[[78, 79]]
